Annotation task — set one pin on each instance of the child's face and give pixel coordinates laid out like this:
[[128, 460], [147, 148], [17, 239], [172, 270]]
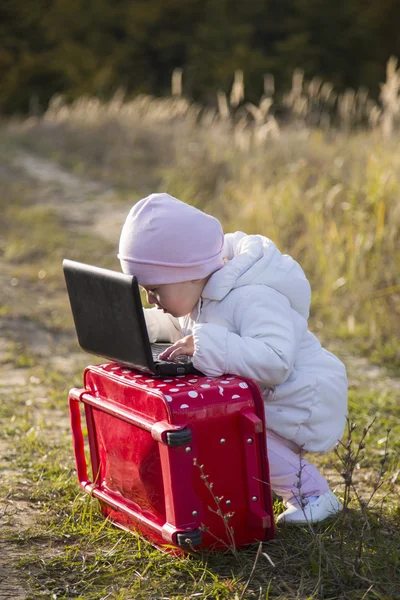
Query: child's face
[[177, 299]]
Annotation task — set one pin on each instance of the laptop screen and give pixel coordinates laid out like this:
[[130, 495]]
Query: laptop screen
[[108, 314]]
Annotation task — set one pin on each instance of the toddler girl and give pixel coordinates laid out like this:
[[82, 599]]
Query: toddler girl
[[237, 305]]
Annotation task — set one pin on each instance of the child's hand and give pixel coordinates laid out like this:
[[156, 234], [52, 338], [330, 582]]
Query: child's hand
[[184, 346]]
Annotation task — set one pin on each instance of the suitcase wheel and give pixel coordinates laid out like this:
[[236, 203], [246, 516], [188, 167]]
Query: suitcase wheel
[[190, 539], [178, 438]]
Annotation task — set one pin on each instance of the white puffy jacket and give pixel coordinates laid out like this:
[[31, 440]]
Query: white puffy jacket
[[252, 321]]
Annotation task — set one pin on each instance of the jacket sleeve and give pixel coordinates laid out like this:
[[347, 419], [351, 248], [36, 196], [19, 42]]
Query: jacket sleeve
[[265, 346], [161, 327]]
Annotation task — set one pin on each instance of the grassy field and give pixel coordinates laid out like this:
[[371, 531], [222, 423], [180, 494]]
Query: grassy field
[[331, 199]]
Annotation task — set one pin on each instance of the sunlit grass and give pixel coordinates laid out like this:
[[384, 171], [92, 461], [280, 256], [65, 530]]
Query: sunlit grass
[[332, 201], [74, 552]]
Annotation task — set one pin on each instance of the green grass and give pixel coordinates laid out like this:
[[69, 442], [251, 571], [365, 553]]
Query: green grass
[[72, 552], [333, 203], [75, 553]]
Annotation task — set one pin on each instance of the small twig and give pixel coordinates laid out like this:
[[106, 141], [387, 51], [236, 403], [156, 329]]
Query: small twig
[[350, 459], [224, 516], [367, 592], [316, 538], [252, 571], [379, 482]]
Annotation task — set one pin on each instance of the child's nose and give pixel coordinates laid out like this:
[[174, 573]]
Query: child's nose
[[150, 298]]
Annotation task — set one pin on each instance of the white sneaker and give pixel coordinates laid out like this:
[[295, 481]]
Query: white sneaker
[[317, 510]]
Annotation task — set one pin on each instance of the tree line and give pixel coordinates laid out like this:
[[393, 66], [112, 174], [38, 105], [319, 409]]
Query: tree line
[[94, 47]]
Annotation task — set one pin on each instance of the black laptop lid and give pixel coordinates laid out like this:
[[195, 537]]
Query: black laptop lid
[[108, 314]]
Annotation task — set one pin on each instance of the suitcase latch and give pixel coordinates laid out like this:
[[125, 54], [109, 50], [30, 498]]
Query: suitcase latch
[[171, 435]]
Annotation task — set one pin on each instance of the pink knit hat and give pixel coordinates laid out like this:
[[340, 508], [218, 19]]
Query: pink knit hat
[[165, 240]]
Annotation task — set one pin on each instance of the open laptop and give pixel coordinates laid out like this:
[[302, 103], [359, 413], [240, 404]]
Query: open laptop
[[109, 320]]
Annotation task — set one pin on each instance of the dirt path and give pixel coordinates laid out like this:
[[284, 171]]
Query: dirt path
[[85, 205], [82, 204]]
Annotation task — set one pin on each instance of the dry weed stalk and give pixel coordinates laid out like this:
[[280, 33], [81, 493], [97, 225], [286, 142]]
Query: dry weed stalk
[[252, 571], [264, 125], [317, 539], [237, 92], [269, 85], [296, 101], [346, 109], [223, 106], [141, 109], [390, 96], [176, 83], [308, 104], [231, 546], [350, 458]]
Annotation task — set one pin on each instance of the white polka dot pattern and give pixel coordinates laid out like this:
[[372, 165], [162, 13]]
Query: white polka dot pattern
[[186, 392]]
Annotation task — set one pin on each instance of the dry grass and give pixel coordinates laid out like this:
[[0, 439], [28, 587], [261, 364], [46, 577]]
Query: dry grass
[[327, 195]]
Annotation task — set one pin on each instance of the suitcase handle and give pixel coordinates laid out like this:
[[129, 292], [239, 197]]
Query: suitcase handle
[[180, 536], [252, 429], [158, 429], [78, 443]]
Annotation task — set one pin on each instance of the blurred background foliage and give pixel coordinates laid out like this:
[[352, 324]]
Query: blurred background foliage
[[87, 47]]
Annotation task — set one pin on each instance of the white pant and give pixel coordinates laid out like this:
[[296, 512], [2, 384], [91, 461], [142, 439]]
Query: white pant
[[291, 475]]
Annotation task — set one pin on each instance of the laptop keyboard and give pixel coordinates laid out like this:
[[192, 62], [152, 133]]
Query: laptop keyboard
[[158, 348]]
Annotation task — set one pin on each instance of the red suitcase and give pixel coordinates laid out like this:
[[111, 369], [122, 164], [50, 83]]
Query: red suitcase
[[173, 458]]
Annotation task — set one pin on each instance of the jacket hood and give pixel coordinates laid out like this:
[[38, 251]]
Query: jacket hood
[[255, 260]]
